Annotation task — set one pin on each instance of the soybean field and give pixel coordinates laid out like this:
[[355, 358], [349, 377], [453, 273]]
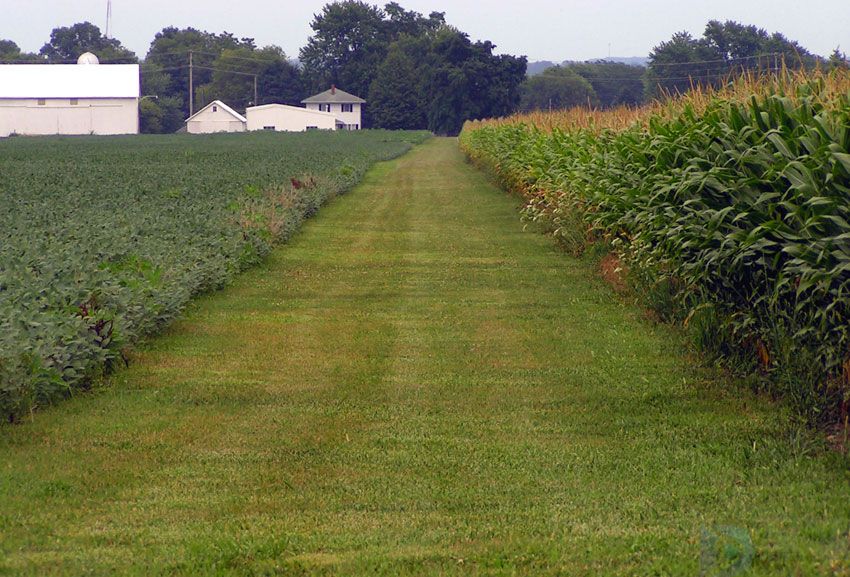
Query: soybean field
[[104, 240]]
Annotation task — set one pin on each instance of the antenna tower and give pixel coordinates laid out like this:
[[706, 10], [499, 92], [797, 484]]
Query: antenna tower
[[108, 16]]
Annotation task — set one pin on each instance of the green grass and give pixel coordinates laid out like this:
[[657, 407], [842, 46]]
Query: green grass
[[415, 385]]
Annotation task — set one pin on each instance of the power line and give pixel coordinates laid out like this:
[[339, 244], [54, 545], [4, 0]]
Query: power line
[[719, 60], [225, 70]]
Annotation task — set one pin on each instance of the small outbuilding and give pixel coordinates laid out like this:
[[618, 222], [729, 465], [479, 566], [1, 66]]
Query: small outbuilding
[[82, 98], [346, 107], [216, 117], [283, 118]]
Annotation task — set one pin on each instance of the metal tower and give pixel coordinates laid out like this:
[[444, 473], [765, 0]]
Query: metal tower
[[108, 16]]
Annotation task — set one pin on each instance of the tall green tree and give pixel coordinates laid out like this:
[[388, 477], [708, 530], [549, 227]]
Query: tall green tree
[[615, 84], [440, 78], [725, 48], [838, 60], [557, 88], [170, 50], [468, 81], [351, 39], [159, 113], [348, 44], [233, 78], [67, 43], [11, 52], [397, 95], [281, 83]]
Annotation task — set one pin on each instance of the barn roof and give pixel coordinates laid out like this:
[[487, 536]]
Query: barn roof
[[69, 81], [334, 95], [224, 107]]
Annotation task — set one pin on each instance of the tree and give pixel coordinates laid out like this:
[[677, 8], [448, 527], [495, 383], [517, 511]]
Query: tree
[[11, 52], [158, 112], [277, 79], [281, 82], [348, 45], [403, 22], [726, 48], [170, 50], [68, 43], [675, 65], [439, 78], [615, 84], [467, 81], [397, 95], [352, 38], [557, 88], [838, 60]]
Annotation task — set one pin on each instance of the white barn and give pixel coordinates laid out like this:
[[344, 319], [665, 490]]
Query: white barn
[[283, 118], [216, 117], [346, 107], [86, 98]]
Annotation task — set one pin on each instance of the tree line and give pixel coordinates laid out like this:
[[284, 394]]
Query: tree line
[[415, 71], [725, 49], [447, 80]]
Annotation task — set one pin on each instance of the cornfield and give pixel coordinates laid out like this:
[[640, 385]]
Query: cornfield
[[729, 209]]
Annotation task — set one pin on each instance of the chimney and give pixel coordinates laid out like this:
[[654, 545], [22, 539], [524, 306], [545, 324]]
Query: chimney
[[333, 89]]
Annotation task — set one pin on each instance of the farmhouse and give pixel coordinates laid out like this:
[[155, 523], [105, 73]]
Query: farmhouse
[[346, 107], [86, 98], [216, 117], [283, 118]]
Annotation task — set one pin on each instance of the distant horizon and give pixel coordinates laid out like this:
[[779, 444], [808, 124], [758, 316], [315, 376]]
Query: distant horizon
[[580, 31]]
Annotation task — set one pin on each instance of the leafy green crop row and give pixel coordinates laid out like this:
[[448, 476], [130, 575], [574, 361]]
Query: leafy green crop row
[[104, 240], [733, 217]]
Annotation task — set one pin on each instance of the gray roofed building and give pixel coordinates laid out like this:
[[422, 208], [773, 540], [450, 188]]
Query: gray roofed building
[[334, 96], [346, 107]]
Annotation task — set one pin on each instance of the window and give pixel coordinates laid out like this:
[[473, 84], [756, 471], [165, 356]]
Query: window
[[268, 128], [324, 107], [42, 102], [312, 128], [348, 108], [74, 102], [215, 108]]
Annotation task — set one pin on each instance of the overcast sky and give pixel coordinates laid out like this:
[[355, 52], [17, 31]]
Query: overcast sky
[[540, 29]]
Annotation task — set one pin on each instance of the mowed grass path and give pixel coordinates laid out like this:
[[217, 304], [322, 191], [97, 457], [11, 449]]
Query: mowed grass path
[[415, 385]]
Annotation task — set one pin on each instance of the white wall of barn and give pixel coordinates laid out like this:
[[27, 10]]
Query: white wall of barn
[[105, 116], [288, 119], [214, 119]]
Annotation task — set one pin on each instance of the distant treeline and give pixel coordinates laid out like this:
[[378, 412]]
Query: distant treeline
[[416, 72], [725, 50]]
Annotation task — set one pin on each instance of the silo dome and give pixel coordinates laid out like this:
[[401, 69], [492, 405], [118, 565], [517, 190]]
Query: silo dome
[[88, 58]]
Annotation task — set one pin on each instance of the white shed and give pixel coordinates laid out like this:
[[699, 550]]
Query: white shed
[[285, 118], [216, 117], [86, 98], [345, 106]]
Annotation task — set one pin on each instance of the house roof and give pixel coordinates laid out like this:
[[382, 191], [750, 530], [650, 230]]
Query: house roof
[[69, 81], [293, 108], [334, 95], [224, 107]]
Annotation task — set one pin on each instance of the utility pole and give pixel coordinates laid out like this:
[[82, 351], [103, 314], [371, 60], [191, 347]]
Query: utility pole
[[108, 17], [191, 85]]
